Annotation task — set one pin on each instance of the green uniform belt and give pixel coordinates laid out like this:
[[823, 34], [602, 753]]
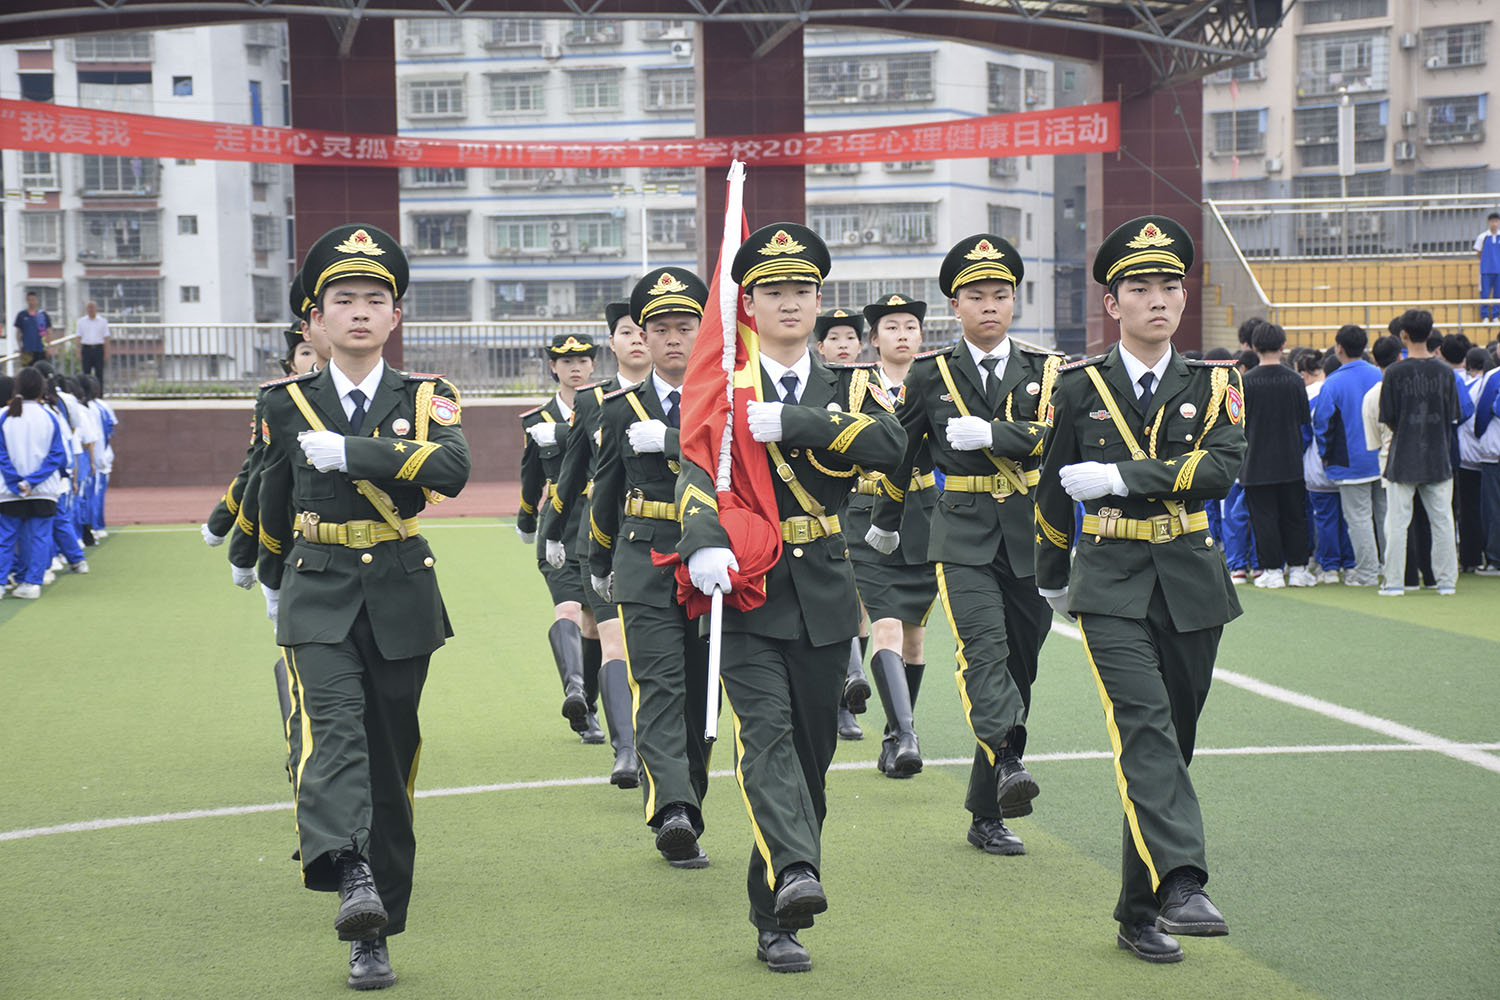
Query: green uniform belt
[[920, 481], [803, 528], [1111, 523], [993, 485], [353, 534], [638, 506]]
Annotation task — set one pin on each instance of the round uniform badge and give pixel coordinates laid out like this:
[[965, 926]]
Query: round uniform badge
[[835, 407], [1188, 411], [1032, 388], [401, 427], [443, 410]]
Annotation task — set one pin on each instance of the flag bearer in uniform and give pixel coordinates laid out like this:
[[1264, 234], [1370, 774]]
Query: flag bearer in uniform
[[634, 515], [981, 406], [898, 589], [548, 431], [1143, 438], [784, 663], [352, 455], [575, 484]]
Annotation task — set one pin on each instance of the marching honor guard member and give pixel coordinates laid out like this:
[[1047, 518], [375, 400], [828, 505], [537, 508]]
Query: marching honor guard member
[[575, 486], [633, 516], [784, 663], [981, 406], [548, 432], [1143, 437], [352, 454], [840, 336]]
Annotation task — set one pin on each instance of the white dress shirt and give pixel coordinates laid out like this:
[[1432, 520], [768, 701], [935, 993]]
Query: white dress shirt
[[802, 369], [345, 385], [1000, 350], [1135, 368], [662, 390]]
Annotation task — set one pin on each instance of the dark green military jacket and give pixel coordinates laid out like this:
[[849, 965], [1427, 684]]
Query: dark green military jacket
[[226, 519], [810, 591], [323, 587], [244, 542], [623, 543], [916, 514], [540, 468], [1193, 439], [967, 527], [577, 470]]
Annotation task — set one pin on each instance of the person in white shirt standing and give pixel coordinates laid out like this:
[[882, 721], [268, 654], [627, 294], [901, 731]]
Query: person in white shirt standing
[[93, 331]]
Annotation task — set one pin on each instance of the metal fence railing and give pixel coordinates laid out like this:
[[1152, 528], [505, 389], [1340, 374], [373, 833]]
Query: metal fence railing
[[1322, 228]]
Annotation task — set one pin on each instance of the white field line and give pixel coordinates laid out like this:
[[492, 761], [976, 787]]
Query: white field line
[[85, 826], [1467, 752], [478, 523]]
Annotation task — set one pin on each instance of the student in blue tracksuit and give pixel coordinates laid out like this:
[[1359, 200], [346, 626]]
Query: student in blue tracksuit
[[31, 461], [1487, 248], [1352, 466], [107, 422]]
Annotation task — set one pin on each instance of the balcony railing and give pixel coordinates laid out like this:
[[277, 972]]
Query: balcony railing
[[1401, 227]]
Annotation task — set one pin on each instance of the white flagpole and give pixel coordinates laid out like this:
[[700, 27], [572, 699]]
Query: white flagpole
[[729, 314]]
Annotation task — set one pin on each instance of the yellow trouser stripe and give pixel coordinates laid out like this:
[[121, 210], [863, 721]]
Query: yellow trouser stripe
[[739, 775], [635, 707], [1114, 743], [963, 664], [411, 778], [299, 707]]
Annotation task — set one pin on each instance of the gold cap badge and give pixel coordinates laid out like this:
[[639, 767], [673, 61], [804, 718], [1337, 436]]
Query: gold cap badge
[[667, 283], [984, 250], [781, 243], [359, 241], [1150, 236], [839, 314]]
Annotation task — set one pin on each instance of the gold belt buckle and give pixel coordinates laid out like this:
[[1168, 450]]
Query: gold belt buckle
[[1161, 529], [800, 530], [1002, 489], [360, 535]]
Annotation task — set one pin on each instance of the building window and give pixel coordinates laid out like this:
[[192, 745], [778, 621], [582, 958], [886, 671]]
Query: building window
[[440, 234], [1374, 184], [187, 293], [436, 177], [590, 296], [36, 87], [1239, 131], [521, 176], [1316, 134], [1005, 222], [1454, 119], [265, 234], [128, 300], [187, 225], [672, 228], [49, 300], [1470, 180], [1239, 190], [1004, 88], [518, 299], [911, 167], [515, 31], [522, 235], [891, 224], [661, 31], [182, 86], [431, 301], [41, 235], [856, 294], [121, 175], [39, 171], [435, 98], [668, 90], [669, 175], [1008, 168], [1317, 186], [591, 31], [598, 176], [119, 236], [1036, 88], [268, 297], [869, 78], [1250, 72], [112, 48], [265, 173], [1454, 45], [1323, 11], [598, 234], [420, 37], [1355, 61], [595, 90], [517, 92], [838, 223], [833, 169]]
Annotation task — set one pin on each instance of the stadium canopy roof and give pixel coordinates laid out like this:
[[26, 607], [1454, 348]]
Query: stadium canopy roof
[[1180, 39]]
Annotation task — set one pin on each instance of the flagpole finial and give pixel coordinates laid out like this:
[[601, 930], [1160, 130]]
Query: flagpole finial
[[737, 170]]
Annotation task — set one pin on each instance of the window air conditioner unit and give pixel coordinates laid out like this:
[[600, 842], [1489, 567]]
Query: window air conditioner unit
[[870, 236], [542, 310], [559, 245], [682, 50], [869, 89], [1273, 164], [1405, 151], [551, 50], [1434, 62], [1408, 41], [1408, 118], [851, 238], [869, 71], [558, 228], [1365, 225], [411, 42]]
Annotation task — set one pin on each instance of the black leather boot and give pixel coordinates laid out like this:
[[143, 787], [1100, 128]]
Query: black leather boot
[[592, 654], [856, 686], [614, 690], [370, 965], [905, 756], [567, 651], [361, 913]]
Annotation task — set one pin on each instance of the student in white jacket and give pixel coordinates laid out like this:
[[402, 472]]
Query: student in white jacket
[[32, 457]]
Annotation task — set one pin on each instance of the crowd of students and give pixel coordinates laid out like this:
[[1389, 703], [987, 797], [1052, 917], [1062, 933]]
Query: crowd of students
[[55, 463], [1371, 465]]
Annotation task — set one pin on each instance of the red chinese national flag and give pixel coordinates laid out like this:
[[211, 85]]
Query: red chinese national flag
[[747, 510]]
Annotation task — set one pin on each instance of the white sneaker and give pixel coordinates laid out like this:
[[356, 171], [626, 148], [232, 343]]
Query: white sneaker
[[1328, 576], [1238, 577], [81, 566], [58, 562], [1271, 579], [1300, 577], [48, 578], [28, 591], [100, 533]]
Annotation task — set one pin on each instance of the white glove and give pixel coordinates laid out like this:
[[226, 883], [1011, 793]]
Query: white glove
[[243, 577], [209, 538], [604, 586], [882, 541], [970, 433], [544, 434], [273, 601], [647, 436], [1091, 480], [709, 568], [764, 420], [556, 554], [324, 449], [1059, 603], [529, 537]]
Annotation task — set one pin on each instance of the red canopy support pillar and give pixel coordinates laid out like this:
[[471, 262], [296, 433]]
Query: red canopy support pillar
[[1163, 130], [745, 95], [356, 93]]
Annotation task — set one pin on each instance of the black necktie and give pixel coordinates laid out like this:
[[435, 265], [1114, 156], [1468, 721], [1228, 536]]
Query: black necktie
[[674, 412], [1144, 399], [358, 416], [789, 388], [991, 381]]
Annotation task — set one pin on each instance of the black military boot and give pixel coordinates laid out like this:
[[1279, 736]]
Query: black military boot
[[856, 686], [567, 651], [592, 655], [361, 913], [614, 689], [904, 758], [370, 965]]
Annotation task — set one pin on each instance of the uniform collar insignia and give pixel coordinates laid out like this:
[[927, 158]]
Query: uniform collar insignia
[[1150, 236], [360, 242], [781, 243]]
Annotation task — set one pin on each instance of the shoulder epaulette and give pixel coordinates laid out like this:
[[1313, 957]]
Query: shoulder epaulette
[[1042, 351], [530, 413], [590, 385], [422, 376], [620, 392], [841, 366], [1199, 362], [1082, 362], [932, 354], [284, 381]]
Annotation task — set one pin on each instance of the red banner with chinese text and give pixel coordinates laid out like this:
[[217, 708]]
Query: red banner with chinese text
[[28, 125]]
